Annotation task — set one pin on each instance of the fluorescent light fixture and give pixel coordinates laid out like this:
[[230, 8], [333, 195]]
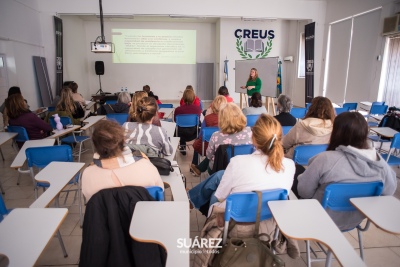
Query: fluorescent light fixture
[[258, 19], [116, 16], [186, 17]]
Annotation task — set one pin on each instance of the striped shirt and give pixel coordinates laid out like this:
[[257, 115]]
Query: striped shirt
[[147, 134]]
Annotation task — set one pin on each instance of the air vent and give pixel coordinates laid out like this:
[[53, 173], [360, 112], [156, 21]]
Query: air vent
[[391, 25]]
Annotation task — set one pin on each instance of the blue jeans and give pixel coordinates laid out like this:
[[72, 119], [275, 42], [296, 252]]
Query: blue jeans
[[204, 191]]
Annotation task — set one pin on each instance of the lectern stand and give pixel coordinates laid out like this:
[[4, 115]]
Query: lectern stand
[[244, 98]]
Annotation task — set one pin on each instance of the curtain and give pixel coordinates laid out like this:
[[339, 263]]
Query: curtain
[[392, 84]]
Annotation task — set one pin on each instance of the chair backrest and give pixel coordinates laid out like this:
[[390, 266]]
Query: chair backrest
[[298, 113], [156, 192], [242, 207], [303, 153], [381, 103], [63, 119], [378, 109], [111, 102], [21, 131], [234, 150], [165, 105], [308, 105], [286, 129], [187, 120], [3, 209], [350, 106], [341, 110], [121, 118], [49, 109], [207, 132], [40, 157], [395, 141], [337, 196], [251, 119]]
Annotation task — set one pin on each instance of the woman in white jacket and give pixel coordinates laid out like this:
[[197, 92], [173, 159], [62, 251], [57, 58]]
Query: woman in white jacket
[[315, 128]]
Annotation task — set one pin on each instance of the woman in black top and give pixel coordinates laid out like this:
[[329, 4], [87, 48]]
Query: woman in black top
[[284, 107]]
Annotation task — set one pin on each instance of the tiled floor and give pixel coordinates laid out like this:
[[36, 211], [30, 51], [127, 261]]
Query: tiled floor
[[381, 249]]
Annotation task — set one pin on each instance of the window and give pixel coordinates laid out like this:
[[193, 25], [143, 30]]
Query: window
[[390, 77], [302, 56]]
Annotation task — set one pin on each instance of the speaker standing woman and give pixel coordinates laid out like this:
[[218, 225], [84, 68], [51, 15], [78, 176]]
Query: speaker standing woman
[[253, 84]]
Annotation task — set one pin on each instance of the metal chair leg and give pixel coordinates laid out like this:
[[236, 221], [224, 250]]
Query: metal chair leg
[[61, 244]]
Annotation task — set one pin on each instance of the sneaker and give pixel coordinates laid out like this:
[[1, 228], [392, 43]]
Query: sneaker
[[195, 169], [192, 173]]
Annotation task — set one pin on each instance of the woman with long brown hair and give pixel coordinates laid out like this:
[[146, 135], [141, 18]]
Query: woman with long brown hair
[[133, 113], [315, 128], [68, 107]]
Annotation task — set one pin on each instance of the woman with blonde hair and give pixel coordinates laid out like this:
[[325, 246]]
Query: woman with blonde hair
[[133, 113], [68, 107], [232, 130], [142, 134], [315, 128], [266, 168], [210, 120]]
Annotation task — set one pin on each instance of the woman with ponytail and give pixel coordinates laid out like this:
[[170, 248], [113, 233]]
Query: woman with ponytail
[[266, 168], [143, 133]]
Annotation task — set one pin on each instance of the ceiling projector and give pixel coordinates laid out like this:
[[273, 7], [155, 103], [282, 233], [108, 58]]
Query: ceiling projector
[[103, 47]]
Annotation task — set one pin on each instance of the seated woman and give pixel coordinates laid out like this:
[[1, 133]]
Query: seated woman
[[142, 134], [232, 130], [116, 166], [348, 159], [223, 91], [256, 106], [68, 107], [265, 169], [284, 106], [77, 97], [196, 101], [139, 95], [187, 133], [19, 115], [315, 128], [210, 120], [122, 105]]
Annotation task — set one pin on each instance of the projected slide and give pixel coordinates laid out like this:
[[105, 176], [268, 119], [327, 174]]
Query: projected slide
[[151, 46]]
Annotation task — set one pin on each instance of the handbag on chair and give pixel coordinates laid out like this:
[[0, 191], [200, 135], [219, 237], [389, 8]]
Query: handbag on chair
[[248, 252]]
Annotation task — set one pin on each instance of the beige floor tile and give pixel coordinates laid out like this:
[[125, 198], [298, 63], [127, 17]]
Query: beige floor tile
[[378, 257], [52, 255]]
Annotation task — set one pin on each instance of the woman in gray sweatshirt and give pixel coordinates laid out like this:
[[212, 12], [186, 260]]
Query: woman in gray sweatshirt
[[348, 159]]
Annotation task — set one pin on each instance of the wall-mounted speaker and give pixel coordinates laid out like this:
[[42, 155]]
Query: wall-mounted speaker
[[99, 67]]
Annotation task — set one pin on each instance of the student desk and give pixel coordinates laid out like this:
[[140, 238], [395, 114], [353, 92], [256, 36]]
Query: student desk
[[167, 111], [174, 143], [57, 174], [384, 131], [169, 126], [383, 211], [307, 220], [92, 121], [5, 137], [59, 133], [163, 222], [174, 180], [21, 157], [26, 232]]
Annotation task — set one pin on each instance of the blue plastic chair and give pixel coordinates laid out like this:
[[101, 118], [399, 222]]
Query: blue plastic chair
[[337, 198], [206, 133], [286, 129], [72, 139], [350, 106], [242, 207], [390, 158], [251, 119], [111, 102], [156, 192], [49, 109], [187, 121], [340, 110], [3, 210], [22, 137], [376, 110], [379, 103], [234, 150], [165, 106], [303, 153], [298, 113], [121, 118], [377, 138]]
